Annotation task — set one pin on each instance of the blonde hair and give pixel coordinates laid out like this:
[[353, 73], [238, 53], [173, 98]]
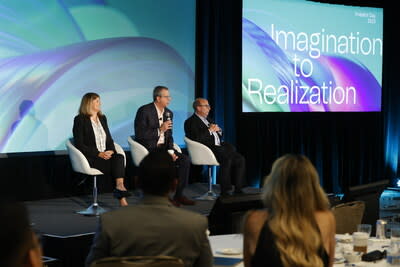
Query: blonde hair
[[86, 102], [292, 195]]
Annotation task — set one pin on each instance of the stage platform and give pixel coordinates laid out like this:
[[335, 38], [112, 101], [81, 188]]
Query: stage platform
[[67, 236]]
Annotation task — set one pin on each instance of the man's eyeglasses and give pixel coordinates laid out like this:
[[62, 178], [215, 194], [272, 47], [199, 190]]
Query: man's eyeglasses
[[167, 96], [207, 106]]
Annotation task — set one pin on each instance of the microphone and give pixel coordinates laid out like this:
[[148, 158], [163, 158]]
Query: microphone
[[167, 116]]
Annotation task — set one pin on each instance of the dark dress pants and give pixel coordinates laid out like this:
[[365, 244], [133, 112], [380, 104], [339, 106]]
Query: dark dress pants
[[183, 168], [182, 164], [232, 167], [114, 167]]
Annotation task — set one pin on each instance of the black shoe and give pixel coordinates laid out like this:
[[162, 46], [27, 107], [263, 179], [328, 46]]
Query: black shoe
[[227, 193], [239, 192], [118, 194], [236, 192]]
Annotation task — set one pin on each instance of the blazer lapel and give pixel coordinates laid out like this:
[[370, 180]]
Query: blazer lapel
[[200, 122], [154, 114]]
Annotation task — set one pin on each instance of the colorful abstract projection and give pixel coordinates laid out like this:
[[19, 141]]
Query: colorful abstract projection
[[53, 52], [314, 68]]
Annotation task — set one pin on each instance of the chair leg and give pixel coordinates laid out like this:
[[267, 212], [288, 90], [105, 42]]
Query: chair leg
[[210, 194], [214, 174], [95, 191], [94, 209]]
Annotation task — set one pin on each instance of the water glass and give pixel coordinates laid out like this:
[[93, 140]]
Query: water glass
[[364, 228], [395, 234], [393, 253], [360, 242]]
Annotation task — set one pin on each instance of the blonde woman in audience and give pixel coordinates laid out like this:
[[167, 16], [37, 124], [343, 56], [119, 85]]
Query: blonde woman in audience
[[297, 228]]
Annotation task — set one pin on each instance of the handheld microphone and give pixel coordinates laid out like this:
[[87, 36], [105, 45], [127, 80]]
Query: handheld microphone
[[167, 116]]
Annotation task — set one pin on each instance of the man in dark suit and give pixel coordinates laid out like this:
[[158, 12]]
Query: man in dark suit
[[200, 128], [154, 227], [153, 129]]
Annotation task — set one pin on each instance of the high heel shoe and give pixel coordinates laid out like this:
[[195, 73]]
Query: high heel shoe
[[118, 194]]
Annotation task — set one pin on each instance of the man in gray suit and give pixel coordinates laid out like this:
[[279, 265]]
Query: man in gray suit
[[154, 226]]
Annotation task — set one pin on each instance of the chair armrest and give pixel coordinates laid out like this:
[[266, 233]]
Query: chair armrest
[[200, 154], [138, 151], [79, 162], [121, 151]]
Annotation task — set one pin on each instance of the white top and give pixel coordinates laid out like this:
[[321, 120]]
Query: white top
[[160, 114], [99, 135]]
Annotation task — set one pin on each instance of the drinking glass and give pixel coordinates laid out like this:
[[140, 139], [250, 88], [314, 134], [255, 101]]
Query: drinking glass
[[364, 228], [393, 253], [360, 242], [395, 233]]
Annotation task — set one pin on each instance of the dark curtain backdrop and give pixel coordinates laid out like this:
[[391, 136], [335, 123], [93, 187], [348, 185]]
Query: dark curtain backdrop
[[218, 60], [347, 148], [392, 97]]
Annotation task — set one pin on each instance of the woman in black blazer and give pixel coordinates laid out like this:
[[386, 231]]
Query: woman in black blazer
[[92, 137]]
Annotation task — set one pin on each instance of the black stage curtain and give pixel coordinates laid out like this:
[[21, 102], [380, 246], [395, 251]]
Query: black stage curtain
[[392, 97], [347, 148], [218, 60]]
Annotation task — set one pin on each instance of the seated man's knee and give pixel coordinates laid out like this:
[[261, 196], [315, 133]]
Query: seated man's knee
[[225, 160]]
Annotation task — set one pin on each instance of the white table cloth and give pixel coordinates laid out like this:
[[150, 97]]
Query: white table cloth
[[235, 241], [373, 244]]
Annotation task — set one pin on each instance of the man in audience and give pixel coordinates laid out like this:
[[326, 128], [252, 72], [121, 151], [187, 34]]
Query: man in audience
[[199, 127], [19, 246], [153, 129], [154, 226]]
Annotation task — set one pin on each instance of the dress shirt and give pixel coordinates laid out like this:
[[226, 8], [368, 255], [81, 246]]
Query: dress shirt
[[160, 114], [216, 136]]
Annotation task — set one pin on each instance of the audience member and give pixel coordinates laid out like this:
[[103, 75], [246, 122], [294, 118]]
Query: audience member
[[153, 129], [297, 227], [199, 127], [19, 246], [154, 226], [93, 138]]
